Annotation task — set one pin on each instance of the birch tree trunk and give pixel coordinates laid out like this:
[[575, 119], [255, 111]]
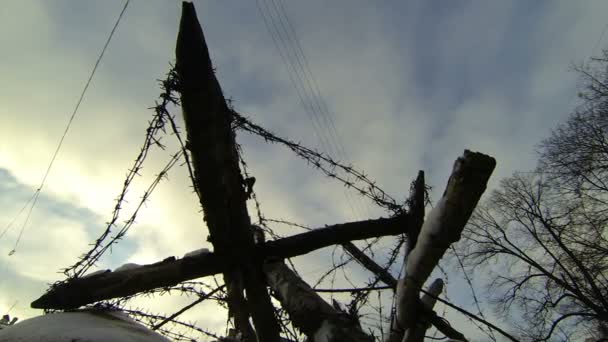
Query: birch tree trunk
[[219, 181], [442, 227], [308, 312]]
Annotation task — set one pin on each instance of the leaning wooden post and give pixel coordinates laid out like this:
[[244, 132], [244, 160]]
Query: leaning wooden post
[[308, 311], [171, 271], [417, 333], [219, 181], [442, 227]]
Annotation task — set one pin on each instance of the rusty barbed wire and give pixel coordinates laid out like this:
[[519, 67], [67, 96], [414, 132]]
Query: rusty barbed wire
[[362, 184], [150, 320]]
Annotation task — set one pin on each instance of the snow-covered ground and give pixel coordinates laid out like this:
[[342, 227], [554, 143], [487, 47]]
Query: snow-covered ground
[[85, 326]]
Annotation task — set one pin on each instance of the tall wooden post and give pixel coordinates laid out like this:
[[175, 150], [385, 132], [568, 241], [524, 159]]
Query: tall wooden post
[[219, 181]]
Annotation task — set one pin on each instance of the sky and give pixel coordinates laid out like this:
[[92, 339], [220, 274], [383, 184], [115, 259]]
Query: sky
[[408, 85]]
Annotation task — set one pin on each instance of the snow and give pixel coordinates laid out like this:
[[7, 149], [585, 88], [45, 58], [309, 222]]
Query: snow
[[86, 325], [95, 273], [127, 267], [197, 252], [419, 262]]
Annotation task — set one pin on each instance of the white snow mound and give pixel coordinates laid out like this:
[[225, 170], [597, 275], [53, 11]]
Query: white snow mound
[[197, 252], [82, 326], [126, 267]]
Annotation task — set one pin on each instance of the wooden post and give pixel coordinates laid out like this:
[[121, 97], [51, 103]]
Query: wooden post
[[308, 311], [441, 228], [171, 271], [219, 181], [417, 333]]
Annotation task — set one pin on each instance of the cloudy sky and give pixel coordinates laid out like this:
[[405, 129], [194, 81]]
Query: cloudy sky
[[407, 85]]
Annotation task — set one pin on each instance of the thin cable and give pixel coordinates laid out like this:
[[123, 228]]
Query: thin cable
[[65, 132], [8, 226], [291, 70], [83, 93], [285, 39], [317, 102], [283, 42]]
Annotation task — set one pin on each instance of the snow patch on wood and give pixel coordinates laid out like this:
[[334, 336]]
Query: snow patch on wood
[[95, 273], [197, 252], [126, 267]]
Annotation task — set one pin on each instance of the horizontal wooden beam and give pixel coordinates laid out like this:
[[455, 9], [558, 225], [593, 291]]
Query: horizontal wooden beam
[[304, 243], [442, 227], [77, 292], [308, 311], [81, 291], [441, 324]]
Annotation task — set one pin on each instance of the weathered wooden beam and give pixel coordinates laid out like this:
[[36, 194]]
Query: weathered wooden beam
[[367, 262], [307, 242], [417, 333], [308, 311], [82, 291], [219, 181], [388, 279], [466, 185], [416, 206]]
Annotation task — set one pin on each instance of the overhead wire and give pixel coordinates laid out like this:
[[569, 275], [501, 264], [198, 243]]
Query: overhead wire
[[275, 35], [318, 100], [288, 45], [36, 194], [306, 86], [281, 41]]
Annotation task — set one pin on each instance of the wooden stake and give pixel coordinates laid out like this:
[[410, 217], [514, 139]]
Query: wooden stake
[[219, 181]]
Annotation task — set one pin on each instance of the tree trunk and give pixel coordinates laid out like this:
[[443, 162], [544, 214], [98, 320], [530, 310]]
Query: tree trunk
[[219, 181], [308, 311]]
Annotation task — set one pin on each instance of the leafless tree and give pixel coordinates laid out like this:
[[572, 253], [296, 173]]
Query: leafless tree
[[544, 232]]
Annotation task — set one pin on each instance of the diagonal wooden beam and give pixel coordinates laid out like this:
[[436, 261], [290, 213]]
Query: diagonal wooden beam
[[82, 291], [441, 228], [219, 182], [107, 285], [304, 243], [442, 325], [308, 311]]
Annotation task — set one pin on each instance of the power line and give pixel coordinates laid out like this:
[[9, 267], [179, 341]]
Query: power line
[[65, 132], [317, 98], [288, 45], [291, 70], [10, 224]]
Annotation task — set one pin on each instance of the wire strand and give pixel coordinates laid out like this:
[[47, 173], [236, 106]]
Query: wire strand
[[67, 127]]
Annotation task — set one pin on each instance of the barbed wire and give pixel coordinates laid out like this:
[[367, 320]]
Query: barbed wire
[[362, 183], [150, 320], [187, 288], [155, 126]]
